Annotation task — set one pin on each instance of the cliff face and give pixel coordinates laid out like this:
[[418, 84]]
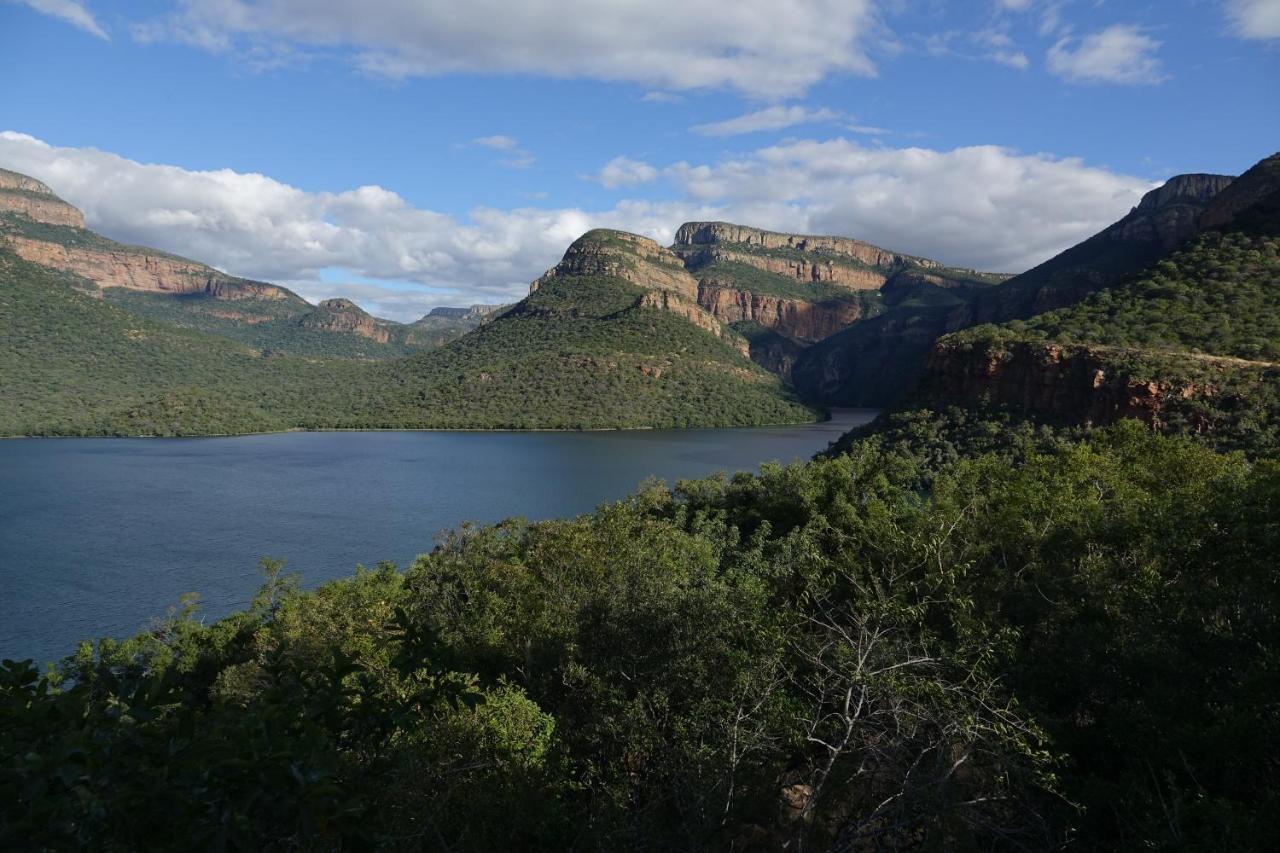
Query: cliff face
[[813, 270], [1077, 384], [343, 315], [30, 198], [711, 233], [140, 271], [805, 322], [668, 300], [630, 257]]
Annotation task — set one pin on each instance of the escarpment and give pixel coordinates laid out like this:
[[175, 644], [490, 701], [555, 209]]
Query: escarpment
[[343, 315], [34, 200], [799, 320], [1084, 384], [143, 271], [630, 257]]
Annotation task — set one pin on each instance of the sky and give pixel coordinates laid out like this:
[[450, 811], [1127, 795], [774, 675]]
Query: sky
[[412, 153]]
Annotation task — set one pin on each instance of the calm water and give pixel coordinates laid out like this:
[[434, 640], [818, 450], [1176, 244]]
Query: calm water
[[99, 536]]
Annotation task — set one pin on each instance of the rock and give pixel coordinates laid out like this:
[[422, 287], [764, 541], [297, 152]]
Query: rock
[[801, 321], [343, 315], [711, 233], [30, 198], [143, 271], [630, 257], [676, 303]]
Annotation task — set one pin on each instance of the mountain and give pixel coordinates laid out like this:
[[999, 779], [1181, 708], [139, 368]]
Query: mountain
[[875, 362], [610, 336], [1189, 344], [43, 229], [786, 292]]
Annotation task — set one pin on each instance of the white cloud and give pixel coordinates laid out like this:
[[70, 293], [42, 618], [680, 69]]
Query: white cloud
[[767, 48], [1122, 53], [497, 142], [625, 172], [1014, 5], [769, 118], [983, 207], [1255, 19], [656, 97], [72, 12], [517, 157], [992, 45]]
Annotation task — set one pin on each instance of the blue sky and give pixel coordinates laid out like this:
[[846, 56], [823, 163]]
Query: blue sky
[[485, 135]]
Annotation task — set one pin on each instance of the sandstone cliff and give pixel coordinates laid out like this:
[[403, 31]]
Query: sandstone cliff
[[28, 197], [138, 270], [668, 300], [801, 321], [714, 233], [1080, 384], [630, 257], [343, 315]]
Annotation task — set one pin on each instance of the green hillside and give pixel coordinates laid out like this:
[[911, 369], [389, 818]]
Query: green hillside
[[577, 355]]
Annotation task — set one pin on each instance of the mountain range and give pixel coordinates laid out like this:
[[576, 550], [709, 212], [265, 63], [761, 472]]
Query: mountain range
[[730, 325]]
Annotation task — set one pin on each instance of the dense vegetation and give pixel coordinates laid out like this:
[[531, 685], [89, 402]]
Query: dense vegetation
[[75, 365], [1075, 651]]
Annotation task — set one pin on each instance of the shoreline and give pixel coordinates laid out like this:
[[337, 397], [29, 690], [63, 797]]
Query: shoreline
[[829, 417]]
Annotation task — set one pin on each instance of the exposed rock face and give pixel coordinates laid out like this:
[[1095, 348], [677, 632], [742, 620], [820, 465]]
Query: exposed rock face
[[1261, 181], [141, 271], [801, 321], [473, 312], [1171, 213], [343, 315], [676, 303], [630, 257], [710, 233], [1075, 383], [800, 269], [32, 199]]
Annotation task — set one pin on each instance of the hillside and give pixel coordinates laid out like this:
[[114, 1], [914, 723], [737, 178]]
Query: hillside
[[583, 351], [612, 336], [1190, 344], [876, 362], [41, 228], [786, 292]]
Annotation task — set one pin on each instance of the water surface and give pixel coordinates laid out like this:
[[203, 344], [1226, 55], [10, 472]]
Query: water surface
[[100, 536]]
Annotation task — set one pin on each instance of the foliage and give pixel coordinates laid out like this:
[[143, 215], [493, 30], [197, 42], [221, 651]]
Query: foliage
[[1073, 650], [576, 356]]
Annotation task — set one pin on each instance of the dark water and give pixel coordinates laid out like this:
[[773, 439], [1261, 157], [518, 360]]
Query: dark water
[[100, 536]]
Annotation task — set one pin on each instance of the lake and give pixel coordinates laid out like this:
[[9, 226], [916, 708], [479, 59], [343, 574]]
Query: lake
[[99, 536]]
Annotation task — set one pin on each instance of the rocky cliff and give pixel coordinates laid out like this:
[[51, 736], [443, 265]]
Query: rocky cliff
[[693, 234], [1079, 384], [138, 270], [343, 315], [28, 197], [668, 300], [801, 321], [618, 254]]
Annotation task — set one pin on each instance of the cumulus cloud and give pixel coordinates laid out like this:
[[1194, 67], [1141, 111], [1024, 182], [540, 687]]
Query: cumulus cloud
[[770, 48], [497, 141], [1122, 53], [769, 118], [625, 172], [984, 207], [70, 11], [1255, 19], [993, 45]]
